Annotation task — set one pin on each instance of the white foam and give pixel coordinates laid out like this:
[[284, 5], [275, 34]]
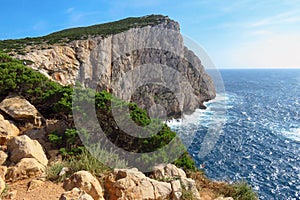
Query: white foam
[[293, 134]]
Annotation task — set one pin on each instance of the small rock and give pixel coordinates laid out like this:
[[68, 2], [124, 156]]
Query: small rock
[[2, 185], [189, 184], [34, 184], [75, 193], [63, 171], [87, 182], [26, 168], [12, 194], [3, 157], [7, 130], [3, 171], [23, 147], [176, 190]]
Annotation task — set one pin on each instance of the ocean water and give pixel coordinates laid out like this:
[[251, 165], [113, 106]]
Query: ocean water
[[250, 132]]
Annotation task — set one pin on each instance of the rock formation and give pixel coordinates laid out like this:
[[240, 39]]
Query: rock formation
[[149, 65]]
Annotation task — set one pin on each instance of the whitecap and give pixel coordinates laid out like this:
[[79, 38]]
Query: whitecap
[[293, 134]]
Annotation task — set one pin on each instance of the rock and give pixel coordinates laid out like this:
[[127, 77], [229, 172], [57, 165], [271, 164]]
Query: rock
[[132, 184], [63, 171], [159, 44], [77, 194], [87, 182], [176, 189], [2, 185], [164, 171], [58, 126], [26, 168], [3, 171], [189, 184], [224, 198], [7, 130], [21, 110], [3, 157], [23, 147], [34, 184], [12, 195]]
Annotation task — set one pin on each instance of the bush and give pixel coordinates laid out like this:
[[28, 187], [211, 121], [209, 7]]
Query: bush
[[243, 191]]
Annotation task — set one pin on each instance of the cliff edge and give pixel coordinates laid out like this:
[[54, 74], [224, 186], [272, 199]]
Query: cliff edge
[[137, 59]]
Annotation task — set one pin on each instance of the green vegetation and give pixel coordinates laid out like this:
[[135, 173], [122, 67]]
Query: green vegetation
[[80, 33], [243, 191]]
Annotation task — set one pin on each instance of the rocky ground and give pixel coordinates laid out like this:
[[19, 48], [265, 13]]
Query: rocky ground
[[25, 156]]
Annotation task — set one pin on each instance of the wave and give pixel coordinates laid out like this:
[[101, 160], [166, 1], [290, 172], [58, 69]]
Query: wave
[[292, 134]]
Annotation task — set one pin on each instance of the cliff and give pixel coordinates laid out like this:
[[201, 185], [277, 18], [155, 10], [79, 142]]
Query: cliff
[[142, 60]]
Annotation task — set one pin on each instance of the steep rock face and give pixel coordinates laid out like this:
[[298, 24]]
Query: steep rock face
[[149, 65]]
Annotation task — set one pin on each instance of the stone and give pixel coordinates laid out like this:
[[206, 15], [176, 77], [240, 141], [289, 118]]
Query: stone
[[26, 168], [189, 184], [75, 193], [7, 130], [132, 184], [23, 147], [3, 157], [21, 110], [3, 171], [2, 185], [87, 182], [34, 184], [224, 198], [176, 189], [12, 195], [164, 171]]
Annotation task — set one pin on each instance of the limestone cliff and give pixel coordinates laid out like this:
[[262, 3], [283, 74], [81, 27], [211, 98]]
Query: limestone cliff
[[147, 64]]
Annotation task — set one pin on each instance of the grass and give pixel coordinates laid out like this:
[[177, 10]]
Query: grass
[[85, 161], [80, 33]]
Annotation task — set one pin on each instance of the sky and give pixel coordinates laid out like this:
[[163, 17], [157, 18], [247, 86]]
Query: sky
[[234, 33]]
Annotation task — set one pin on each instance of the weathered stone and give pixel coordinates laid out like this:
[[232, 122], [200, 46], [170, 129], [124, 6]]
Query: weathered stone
[[189, 184], [7, 130], [3, 157], [23, 147], [132, 184], [176, 190], [12, 195], [165, 171], [2, 185], [20, 109], [75, 193], [87, 182], [3, 171], [26, 168], [34, 184]]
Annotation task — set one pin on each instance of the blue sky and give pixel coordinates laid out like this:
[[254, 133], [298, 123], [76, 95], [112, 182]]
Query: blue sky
[[235, 34]]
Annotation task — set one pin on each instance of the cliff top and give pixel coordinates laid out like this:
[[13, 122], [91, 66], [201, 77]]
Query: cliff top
[[81, 33]]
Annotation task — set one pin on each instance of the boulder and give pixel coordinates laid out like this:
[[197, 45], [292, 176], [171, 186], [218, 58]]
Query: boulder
[[20, 109], [23, 147], [75, 193], [167, 171], [7, 130], [3, 157], [87, 182], [224, 198], [132, 184], [26, 168]]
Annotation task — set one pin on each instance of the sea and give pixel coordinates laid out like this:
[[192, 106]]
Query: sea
[[250, 131]]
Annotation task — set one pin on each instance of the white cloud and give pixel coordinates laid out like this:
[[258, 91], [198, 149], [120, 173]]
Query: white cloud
[[278, 51], [70, 10]]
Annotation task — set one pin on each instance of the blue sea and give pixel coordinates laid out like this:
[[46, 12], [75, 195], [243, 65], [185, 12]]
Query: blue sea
[[250, 132]]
